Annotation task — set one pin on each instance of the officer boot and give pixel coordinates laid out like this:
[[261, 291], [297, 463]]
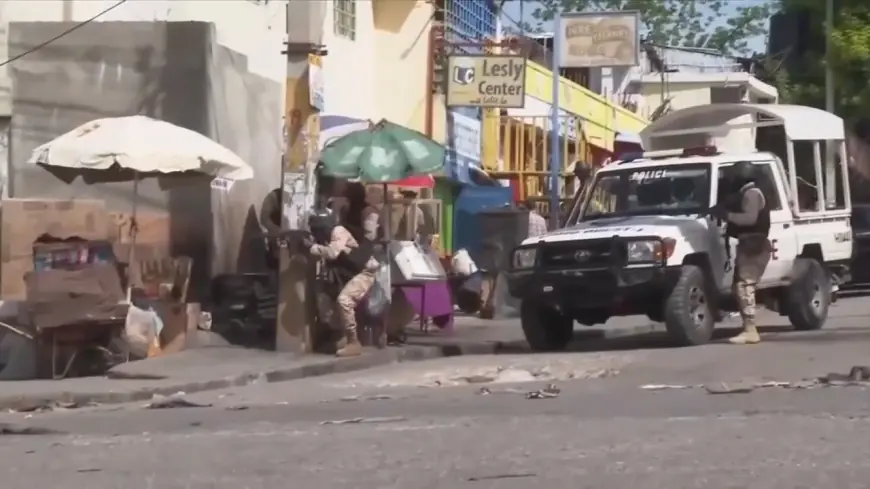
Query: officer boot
[[352, 348], [341, 343], [749, 336]]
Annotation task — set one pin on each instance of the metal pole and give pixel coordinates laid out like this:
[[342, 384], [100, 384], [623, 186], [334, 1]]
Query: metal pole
[[829, 70], [830, 187], [555, 144]]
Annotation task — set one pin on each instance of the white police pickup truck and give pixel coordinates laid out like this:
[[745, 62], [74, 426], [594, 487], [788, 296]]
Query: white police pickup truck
[[640, 240]]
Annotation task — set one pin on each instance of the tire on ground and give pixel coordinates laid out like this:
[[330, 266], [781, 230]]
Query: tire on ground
[[677, 314], [545, 328], [807, 275]]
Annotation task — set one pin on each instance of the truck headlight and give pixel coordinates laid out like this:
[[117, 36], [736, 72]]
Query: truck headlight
[[524, 258], [651, 250], [641, 251]]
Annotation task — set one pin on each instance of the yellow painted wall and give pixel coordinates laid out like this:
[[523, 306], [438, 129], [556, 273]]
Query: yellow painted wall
[[602, 119], [401, 33]]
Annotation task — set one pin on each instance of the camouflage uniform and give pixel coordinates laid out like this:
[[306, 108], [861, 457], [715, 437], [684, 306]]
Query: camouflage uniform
[[354, 291], [753, 254]]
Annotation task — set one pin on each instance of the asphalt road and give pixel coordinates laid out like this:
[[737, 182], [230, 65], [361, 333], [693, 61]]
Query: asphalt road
[[467, 422]]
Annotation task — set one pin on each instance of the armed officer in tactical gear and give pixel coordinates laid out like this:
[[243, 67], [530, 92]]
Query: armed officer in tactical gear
[[747, 214], [353, 267]]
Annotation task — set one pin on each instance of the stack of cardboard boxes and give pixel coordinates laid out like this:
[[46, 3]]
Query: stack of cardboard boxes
[[23, 221]]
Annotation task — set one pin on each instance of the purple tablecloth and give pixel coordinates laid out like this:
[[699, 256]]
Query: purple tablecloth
[[431, 299]]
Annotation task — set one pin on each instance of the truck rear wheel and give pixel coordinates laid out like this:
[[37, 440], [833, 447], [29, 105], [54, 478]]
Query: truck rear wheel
[[545, 328], [808, 295], [688, 313]]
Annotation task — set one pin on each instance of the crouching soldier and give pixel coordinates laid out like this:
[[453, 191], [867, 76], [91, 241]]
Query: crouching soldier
[[352, 264]]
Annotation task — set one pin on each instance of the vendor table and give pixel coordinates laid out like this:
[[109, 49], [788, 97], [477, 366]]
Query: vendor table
[[430, 299]]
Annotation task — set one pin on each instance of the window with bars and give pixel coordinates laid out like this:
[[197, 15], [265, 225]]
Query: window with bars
[[344, 18]]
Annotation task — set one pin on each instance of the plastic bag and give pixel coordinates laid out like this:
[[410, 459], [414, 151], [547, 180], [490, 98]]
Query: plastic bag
[[379, 296], [462, 264], [142, 332]]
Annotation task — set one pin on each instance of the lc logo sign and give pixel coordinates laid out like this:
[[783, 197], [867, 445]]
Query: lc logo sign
[[490, 81], [462, 75]]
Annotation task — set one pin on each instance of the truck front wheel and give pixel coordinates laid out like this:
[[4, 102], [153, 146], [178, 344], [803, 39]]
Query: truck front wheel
[[688, 313], [545, 328], [809, 295]]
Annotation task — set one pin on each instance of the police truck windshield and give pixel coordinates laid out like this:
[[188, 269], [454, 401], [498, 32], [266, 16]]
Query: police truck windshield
[[671, 190]]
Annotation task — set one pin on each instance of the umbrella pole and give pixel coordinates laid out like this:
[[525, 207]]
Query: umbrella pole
[[134, 230], [388, 286]]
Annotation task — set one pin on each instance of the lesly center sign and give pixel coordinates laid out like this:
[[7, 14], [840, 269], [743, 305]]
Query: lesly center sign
[[490, 81]]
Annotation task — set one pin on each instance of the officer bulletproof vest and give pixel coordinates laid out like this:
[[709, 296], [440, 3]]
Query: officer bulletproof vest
[[761, 226]]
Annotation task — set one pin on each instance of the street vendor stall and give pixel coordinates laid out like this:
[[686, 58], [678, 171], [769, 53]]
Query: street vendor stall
[[74, 284], [386, 153]]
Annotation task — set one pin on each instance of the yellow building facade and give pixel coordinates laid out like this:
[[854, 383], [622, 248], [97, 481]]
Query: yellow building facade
[[517, 142]]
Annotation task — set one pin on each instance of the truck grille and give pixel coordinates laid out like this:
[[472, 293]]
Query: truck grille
[[591, 254]]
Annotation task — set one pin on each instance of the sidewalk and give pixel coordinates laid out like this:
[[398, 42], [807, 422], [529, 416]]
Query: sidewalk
[[218, 367], [475, 336], [195, 370]]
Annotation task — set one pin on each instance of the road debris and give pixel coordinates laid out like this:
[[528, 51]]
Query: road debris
[[729, 388], [478, 379], [856, 377], [500, 476], [238, 408], [11, 430], [664, 387], [549, 392], [43, 407], [376, 397], [382, 419], [172, 402]]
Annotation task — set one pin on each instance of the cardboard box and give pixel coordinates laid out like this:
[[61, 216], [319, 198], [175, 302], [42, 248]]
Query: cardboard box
[[180, 322], [23, 221]]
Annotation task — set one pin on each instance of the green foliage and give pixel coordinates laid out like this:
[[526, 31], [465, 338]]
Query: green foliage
[[718, 24], [849, 57]]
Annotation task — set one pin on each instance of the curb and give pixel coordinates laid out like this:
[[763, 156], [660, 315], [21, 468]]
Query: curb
[[48, 400], [408, 353]]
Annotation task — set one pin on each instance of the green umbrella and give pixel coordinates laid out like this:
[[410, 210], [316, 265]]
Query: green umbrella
[[385, 152]]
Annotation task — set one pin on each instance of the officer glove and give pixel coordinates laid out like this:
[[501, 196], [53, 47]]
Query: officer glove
[[719, 212], [306, 243]]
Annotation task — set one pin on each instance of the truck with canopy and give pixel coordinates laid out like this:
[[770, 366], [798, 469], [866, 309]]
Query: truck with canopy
[[640, 238]]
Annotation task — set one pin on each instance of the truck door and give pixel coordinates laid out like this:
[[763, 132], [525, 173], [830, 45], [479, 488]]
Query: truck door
[[783, 234], [783, 237], [722, 259]]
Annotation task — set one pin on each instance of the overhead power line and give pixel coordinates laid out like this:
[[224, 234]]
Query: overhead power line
[[62, 34]]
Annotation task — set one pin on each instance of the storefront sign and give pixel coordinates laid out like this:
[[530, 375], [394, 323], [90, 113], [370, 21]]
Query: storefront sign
[[491, 81], [463, 143], [315, 81], [600, 39]]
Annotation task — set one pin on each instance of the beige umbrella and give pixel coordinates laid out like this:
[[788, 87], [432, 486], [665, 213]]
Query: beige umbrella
[[141, 145]]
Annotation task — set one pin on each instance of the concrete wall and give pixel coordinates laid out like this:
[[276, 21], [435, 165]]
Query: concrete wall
[[175, 71], [255, 29]]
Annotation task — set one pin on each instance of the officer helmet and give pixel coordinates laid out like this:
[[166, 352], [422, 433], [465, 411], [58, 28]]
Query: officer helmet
[[321, 221], [742, 172]]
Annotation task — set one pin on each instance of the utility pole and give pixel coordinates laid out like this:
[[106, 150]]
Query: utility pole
[[829, 70], [303, 50], [830, 106]]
